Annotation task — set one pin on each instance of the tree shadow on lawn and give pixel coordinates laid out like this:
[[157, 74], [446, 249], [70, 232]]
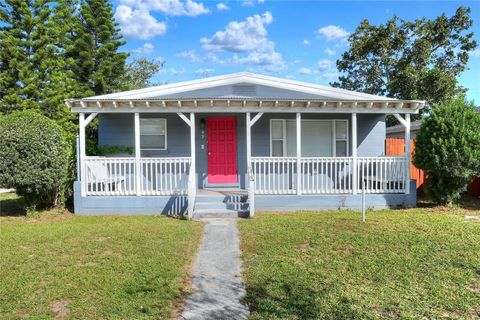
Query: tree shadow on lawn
[[278, 299], [466, 202], [11, 205]]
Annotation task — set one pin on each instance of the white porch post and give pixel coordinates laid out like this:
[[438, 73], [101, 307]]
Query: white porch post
[[138, 173], [407, 153], [299, 152], [82, 154], [354, 154], [249, 141], [250, 179], [192, 142]]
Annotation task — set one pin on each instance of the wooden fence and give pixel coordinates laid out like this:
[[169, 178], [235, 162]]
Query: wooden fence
[[396, 147]]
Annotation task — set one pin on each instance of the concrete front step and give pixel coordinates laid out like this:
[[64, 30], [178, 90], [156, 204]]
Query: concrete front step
[[219, 213], [214, 205]]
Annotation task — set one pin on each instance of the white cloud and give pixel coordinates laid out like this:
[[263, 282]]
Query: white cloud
[[222, 7], [251, 3], [248, 41], [333, 32], [241, 36], [190, 55], [173, 71], [304, 71], [325, 64], [475, 53], [147, 48], [297, 61], [169, 7], [306, 42], [330, 52], [331, 75], [204, 72], [138, 24]]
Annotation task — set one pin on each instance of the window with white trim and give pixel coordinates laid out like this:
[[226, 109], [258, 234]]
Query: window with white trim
[[320, 138], [153, 134]]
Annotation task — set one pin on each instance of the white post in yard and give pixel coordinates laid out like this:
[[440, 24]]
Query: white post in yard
[[138, 173], [354, 154], [83, 176], [299, 152], [407, 153], [249, 142]]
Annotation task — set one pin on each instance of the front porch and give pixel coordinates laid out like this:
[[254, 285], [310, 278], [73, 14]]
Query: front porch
[[153, 183]]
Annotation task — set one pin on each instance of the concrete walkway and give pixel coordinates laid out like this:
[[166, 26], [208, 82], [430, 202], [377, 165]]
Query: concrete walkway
[[217, 279]]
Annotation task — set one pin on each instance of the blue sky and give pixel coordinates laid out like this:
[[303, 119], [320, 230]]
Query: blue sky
[[299, 40]]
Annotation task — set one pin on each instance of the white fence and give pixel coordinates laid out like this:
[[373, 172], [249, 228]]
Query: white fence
[[329, 175], [119, 176]]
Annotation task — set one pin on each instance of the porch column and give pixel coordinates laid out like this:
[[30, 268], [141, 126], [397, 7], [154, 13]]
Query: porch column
[[298, 126], [192, 144], [407, 152], [354, 154], [82, 154], [138, 173]]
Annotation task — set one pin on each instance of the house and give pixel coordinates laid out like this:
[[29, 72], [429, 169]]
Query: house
[[239, 143], [398, 131]]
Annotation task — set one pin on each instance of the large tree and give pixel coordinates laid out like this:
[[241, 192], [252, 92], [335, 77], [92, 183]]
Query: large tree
[[140, 72], [409, 60], [99, 67], [33, 71]]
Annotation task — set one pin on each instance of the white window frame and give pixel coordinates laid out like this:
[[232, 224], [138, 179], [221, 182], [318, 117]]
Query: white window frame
[[335, 139], [158, 134], [334, 134]]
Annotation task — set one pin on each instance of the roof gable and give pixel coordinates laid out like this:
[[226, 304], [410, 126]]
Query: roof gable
[[241, 85]]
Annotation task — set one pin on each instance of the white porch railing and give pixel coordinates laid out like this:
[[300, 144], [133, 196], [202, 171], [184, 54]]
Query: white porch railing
[[383, 174], [117, 176], [329, 175], [275, 175]]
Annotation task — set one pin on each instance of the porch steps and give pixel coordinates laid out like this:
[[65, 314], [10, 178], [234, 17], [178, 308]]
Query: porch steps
[[226, 203]]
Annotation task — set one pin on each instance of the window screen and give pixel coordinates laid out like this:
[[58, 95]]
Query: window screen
[[153, 134]]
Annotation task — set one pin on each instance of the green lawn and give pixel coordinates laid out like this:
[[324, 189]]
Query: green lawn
[[94, 267], [409, 264]]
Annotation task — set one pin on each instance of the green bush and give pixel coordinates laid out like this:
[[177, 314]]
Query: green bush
[[33, 157], [448, 149]]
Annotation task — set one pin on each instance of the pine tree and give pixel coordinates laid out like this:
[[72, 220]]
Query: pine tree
[[99, 67], [33, 71]]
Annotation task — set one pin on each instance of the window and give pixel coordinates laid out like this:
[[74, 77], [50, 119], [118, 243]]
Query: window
[[153, 134], [320, 138]]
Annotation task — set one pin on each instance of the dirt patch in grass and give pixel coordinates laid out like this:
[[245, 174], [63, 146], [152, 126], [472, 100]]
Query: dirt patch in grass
[[60, 308]]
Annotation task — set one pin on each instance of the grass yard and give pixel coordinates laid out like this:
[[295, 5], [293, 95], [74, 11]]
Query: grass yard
[[93, 267], [409, 264]]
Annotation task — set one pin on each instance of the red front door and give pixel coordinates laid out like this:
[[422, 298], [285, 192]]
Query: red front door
[[222, 149]]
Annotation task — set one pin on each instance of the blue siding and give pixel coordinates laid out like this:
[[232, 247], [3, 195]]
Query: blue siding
[[119, 129], [371, 135]]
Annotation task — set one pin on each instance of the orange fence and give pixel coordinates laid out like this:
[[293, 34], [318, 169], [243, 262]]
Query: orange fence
[[396, 147]]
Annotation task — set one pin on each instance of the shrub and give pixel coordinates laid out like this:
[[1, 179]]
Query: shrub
[[33, 157], [448, 149]]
